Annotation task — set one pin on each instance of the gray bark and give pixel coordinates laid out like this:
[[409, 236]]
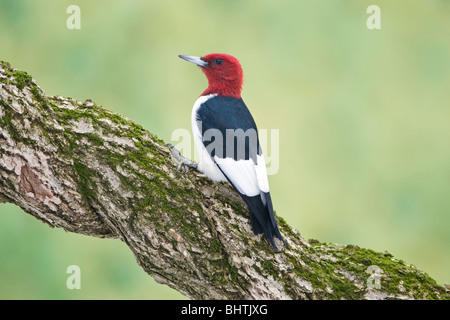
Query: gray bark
[[77, 166]]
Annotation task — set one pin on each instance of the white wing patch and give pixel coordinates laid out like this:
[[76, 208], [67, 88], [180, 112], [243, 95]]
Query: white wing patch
[[261, 173], [249, 178]]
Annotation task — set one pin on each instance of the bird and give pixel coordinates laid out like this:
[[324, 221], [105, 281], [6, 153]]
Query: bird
[[226, 137]]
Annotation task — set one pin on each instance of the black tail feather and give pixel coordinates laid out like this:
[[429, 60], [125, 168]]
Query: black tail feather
[[262, 218], [256, 227]]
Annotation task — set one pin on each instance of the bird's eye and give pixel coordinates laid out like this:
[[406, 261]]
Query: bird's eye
[[218, 61]]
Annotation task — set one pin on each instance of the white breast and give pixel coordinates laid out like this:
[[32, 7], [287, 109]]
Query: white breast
[[206, 165]]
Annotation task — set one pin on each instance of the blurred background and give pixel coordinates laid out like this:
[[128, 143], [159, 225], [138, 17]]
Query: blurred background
[[363, 118]]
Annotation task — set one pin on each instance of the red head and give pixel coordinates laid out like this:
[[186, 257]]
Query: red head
[[224, 73]]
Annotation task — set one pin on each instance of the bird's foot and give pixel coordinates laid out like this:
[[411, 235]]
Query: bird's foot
[[178, 158]]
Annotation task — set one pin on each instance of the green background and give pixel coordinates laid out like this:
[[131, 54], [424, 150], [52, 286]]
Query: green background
[[363, 118]]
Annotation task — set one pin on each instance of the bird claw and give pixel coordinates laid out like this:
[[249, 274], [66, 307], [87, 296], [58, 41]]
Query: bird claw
[[186, 164], [182, 162]]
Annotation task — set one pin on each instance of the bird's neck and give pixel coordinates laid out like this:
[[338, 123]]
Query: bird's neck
[[229, 88]]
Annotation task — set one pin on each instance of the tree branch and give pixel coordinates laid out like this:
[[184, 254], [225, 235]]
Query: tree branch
[[77, 166]]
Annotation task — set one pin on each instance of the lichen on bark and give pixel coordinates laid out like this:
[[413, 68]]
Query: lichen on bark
[[77, 166]]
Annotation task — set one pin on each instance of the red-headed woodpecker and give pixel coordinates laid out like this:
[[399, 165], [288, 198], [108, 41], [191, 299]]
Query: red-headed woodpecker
[[226, 137]]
